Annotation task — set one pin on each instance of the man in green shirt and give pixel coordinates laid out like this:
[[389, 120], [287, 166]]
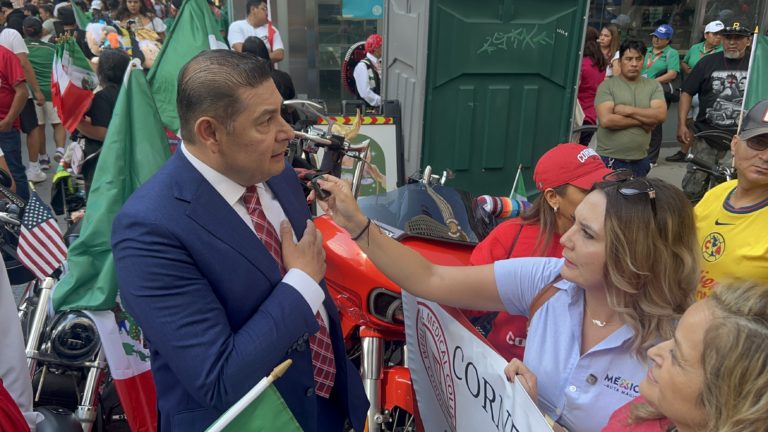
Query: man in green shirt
[[41, 57], [628, 108], [713, 42]]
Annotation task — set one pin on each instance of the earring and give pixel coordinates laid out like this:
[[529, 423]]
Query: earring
[[555, 209]]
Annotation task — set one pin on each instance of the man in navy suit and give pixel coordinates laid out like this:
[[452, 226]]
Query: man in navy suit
[[219, 301]]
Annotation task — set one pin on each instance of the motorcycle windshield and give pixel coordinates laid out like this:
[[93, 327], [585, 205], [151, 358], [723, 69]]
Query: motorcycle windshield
[[435, 212]]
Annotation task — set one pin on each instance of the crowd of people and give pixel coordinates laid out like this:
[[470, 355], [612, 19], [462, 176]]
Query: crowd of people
[[629, 112], [602, 273]]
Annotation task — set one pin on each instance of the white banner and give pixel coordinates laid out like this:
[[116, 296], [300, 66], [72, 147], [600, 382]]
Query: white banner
[[459, 380]]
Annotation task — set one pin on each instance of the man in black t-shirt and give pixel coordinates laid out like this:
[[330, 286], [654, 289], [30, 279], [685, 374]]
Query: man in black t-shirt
[[714, 79]]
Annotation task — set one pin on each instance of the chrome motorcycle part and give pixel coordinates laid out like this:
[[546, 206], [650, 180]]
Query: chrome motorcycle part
[[86, 412], [371, 372], [74, 337], [38, 323]]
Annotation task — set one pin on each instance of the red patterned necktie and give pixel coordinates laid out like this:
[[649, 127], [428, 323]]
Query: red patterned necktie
[[323, 361]]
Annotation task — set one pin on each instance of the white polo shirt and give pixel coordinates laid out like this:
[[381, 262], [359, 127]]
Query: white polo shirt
[[579, 392], [240, 30]]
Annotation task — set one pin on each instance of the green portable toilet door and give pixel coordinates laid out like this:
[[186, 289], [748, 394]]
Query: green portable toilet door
[[500, 87]]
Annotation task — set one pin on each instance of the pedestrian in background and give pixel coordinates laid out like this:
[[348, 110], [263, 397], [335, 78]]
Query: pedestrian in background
[[712, 43], [628, 108], [662, 63]]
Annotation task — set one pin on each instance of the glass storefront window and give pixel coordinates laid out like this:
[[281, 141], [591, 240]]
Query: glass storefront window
[[637, 19], [336, 35]]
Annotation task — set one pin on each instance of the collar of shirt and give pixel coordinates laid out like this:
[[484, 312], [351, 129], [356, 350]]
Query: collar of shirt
[[373, 59], [230, 190]]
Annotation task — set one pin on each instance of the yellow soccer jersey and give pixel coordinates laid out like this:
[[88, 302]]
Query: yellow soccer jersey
[[733, 241]]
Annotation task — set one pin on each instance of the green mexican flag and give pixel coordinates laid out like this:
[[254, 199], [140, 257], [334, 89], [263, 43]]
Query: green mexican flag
[[267, 413], [194, 30], [134, 149], [757, 83], [80, 16]]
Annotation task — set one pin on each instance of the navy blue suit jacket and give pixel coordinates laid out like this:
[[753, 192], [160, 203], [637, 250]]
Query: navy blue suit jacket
[[210, 300]]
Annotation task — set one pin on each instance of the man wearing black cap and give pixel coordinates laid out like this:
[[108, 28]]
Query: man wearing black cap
[[730, 215], [719, 107]]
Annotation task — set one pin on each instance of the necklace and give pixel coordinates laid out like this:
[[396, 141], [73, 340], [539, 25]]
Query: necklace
[[596, 322]]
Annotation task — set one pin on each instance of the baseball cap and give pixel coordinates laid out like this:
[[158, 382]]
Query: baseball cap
[[737, 28], [664, 31], [96, 5], [33, 23], [571, 164], [713, 27], [756, 121]]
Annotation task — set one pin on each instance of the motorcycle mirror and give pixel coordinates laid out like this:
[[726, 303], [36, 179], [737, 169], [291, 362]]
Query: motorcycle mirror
[[5, 178]]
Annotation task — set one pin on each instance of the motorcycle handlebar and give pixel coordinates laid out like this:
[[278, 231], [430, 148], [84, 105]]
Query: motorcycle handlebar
[[700, 163]]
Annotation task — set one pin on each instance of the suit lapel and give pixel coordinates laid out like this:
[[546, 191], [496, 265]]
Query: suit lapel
[[209, 210]]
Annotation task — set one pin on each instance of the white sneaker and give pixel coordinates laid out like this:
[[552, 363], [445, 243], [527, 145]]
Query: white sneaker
[[36, 176]]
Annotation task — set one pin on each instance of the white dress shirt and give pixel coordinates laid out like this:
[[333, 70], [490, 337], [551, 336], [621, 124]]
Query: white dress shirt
[[232, 193], [362, 82]]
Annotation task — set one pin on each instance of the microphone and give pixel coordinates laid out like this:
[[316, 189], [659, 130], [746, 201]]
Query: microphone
[[502, 207]]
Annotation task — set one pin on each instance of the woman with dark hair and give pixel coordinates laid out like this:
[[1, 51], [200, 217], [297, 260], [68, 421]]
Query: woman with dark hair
[[93, 127], [593, 65], [255, 46], [137, 12], [629, 270]]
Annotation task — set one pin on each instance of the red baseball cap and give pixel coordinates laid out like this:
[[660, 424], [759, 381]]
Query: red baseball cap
[[569, 163]]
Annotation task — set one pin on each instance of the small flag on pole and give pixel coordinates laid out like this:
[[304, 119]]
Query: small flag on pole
[[518, 186], [261, 409], [41, 247]]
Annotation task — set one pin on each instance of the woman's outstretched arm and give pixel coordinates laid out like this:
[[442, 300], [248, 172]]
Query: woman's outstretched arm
[[466, 287]]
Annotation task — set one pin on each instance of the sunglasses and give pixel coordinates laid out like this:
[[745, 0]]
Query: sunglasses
[[758, 143], [631, 186]]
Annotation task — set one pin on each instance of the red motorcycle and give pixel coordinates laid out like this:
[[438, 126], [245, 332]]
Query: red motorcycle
[[440, 222]]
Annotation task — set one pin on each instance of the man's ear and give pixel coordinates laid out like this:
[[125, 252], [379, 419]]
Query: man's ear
[[208, 132]]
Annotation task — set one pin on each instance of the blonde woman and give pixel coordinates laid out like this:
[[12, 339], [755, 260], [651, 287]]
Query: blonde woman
[[629, 271], [718, 389]]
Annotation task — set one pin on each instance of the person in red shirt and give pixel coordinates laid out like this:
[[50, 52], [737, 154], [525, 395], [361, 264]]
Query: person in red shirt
[[593, 65], [563, 175], [13, 96]]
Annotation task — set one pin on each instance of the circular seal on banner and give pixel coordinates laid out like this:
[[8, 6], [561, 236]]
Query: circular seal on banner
[[713, 247], [434, 352], [355, 53]]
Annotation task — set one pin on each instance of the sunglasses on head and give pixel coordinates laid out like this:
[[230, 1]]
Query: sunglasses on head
[[630, 186]]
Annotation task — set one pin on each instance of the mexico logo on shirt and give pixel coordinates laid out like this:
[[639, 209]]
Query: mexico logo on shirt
[[433, 348], [713, 247]]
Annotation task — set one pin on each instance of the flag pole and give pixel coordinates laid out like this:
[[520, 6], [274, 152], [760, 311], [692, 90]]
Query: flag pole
[[746, 88], [249, 397], [514, 183]]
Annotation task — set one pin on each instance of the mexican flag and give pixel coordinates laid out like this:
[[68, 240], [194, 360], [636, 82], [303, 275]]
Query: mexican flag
[[72, 83], [757, 83], [80, 17], [194, 30], [134, 149], [261, 409]]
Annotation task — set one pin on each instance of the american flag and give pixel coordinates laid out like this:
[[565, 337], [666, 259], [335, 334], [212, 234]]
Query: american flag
[[41, 247]]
